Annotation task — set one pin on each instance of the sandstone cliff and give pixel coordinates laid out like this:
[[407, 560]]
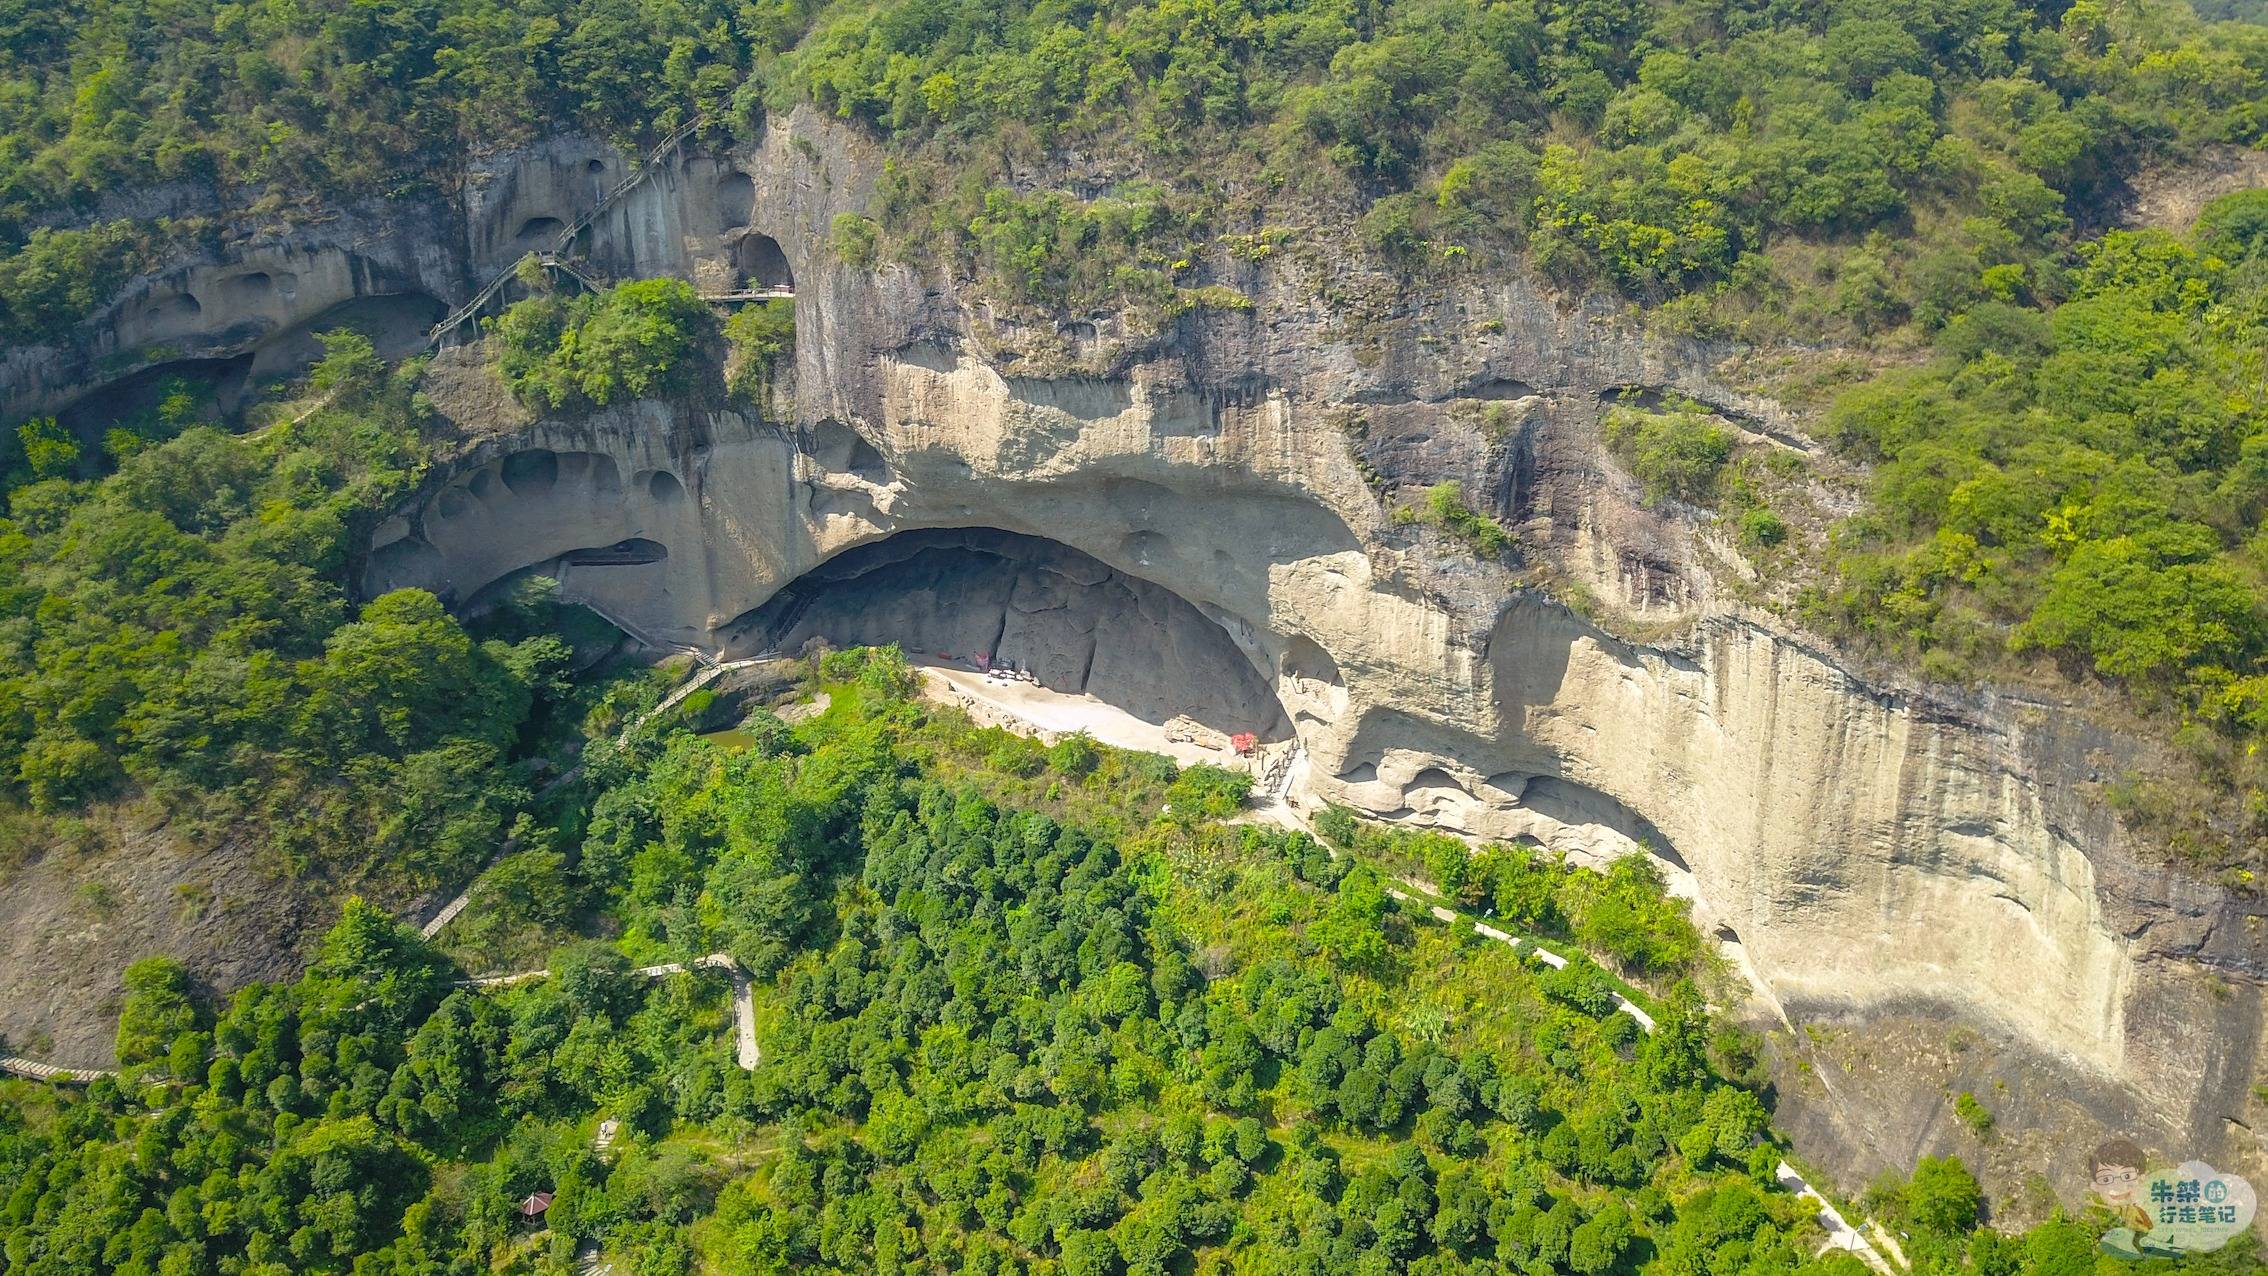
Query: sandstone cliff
[[1875, 854]]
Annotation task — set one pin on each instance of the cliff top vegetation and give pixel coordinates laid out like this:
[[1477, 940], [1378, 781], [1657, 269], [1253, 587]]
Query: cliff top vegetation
[[2067, 478]]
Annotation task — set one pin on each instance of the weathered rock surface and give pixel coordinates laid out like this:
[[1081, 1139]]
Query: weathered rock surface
[[1873, 852], [70, 921]]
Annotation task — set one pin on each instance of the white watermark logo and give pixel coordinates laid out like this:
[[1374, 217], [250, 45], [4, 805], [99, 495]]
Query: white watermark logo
[[2191, 1208]]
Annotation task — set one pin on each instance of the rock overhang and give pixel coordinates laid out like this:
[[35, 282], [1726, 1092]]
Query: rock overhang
[[1869, 846]]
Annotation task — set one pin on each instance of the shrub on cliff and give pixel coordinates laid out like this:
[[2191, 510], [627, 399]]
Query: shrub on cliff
[[632, 341], [760, 335], [1675, 455]]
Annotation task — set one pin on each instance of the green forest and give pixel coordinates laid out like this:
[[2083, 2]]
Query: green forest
[[1756, 166], [175, 623], [1014, 1017], [1048, 1009], [2088, 482]]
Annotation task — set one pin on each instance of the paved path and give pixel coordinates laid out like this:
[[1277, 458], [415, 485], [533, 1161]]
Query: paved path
[[710, 672], [992, 699], [1840, 1234], [1543, 954], [743, 995], [36, 1071], [589, 1256]]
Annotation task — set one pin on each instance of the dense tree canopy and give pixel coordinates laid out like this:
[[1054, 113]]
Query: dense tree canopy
[[995, 1039], [635, 340], [183, 626], [2084, 479], [1730, 151]]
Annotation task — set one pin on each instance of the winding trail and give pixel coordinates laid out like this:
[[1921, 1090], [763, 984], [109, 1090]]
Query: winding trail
[[1840, 1234], [1274, 805], [711, 670], [745, 1050], [1272, 802]]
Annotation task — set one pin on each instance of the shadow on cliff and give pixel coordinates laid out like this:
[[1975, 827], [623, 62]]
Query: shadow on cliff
[[983, 595]]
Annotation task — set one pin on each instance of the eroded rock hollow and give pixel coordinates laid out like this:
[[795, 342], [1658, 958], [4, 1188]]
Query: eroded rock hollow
[[1189, 521]]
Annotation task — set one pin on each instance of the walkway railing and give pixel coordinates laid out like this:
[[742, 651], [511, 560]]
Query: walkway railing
[[49, 1072], [567, 237]]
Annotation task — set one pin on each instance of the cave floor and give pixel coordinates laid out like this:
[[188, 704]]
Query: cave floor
[[1000, 701]]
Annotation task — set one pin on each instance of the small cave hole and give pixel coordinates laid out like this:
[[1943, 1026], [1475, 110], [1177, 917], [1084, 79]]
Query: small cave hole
[[605, 477], [1508, 782], [1144, 549], [664, 487], [536, 228], [1500, 389], [595, 167], [1305, 659], [1434, 777], [843, 450], [530, 472], [635, 552], [736, 200], [250, 286], [1645, 398]]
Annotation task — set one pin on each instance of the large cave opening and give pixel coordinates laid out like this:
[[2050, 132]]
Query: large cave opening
[[396, 324], [763, 267], [981, 596]]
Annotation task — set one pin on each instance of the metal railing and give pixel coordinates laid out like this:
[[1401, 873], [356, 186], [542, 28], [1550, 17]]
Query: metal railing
[[556, 258]]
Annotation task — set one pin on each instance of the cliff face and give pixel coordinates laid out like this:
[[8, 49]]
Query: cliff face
[[1869, 853]]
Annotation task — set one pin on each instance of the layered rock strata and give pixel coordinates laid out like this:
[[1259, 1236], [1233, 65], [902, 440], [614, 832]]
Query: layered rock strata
[[1869, 851]]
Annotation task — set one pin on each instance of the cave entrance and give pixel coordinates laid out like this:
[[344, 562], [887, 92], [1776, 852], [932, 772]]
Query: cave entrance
[[961, 599], [396, 324], [763, 267], [220, 385]]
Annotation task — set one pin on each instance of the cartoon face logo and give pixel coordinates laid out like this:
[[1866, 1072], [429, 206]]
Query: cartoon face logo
[[2118, 1172], [2190, 1208], [2115, 1183]]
